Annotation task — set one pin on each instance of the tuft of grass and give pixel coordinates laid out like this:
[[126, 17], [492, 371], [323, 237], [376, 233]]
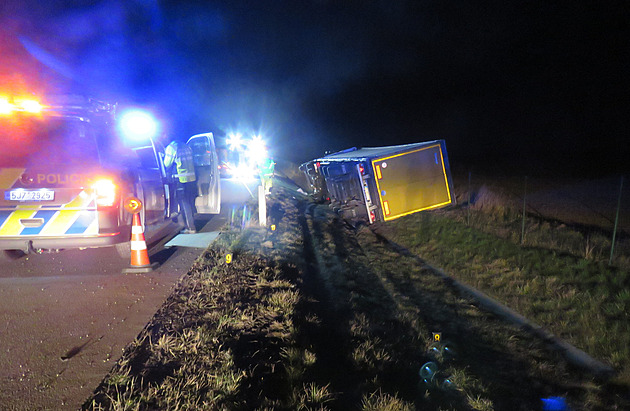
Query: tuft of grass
[[379, 401], [283, 301], [479, 403], [314, 396]]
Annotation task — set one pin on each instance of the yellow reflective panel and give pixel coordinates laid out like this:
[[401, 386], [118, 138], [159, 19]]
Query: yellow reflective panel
[[65, 217], [12, 225], [413, 182]]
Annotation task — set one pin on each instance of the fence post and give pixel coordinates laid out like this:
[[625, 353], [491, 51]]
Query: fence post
[[262, 206], [612, 245], [524, 205], [468, 204]]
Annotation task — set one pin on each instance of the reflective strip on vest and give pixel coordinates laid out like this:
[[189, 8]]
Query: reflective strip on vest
[[185, 164]]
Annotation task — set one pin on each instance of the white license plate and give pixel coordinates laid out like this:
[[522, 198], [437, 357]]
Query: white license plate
[[29, 195]]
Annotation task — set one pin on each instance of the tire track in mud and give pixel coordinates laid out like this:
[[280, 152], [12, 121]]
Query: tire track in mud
[[381, 349], [323, 335], [505, 371], [401, 302]]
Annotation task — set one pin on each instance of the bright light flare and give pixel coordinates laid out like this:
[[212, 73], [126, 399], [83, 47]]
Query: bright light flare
[[244, 172], [137, 125], [234, 141], [258, 143], [105, 191], [257, 150], [5, 106], [30, 106]]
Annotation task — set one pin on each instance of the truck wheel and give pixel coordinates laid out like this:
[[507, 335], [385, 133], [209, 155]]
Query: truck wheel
[[124, 250], [11, 255]]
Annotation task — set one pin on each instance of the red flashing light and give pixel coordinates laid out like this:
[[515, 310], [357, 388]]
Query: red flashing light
[[361, 169], [5, 106], [10, 105], [105, 191]]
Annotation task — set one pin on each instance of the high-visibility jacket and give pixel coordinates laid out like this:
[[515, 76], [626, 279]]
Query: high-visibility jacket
[[267, 167], [182, 155]]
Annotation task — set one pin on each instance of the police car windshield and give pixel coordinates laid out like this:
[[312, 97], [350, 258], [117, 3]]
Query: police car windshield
[[43, 141]]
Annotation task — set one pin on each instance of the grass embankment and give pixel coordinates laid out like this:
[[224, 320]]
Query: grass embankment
[[316, 316], [549, 279], [225, 339]]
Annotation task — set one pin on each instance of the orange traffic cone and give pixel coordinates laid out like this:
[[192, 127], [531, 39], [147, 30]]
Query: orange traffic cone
[[139, 255]]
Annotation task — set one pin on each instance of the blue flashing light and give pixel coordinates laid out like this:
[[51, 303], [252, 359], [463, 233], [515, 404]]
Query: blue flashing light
[[137, 125]]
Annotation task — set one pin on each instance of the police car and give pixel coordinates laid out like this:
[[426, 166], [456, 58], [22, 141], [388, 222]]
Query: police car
[[65, 173]]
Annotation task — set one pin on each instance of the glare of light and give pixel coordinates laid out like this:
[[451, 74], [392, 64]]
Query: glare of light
[[30, 106], [256, 157], [105, 191], [257, 143], [234, 141], [244, 172], [137, 125], [257, 150], [5, 106]]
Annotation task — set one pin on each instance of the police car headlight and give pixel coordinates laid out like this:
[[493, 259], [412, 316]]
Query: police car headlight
[[105, 191]]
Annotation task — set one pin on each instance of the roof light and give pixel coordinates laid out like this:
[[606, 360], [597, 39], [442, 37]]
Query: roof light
[[30, 106], [8, 105], [5, 106], [137, 125]]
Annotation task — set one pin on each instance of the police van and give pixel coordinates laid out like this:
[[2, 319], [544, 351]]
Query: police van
[[65, 174]]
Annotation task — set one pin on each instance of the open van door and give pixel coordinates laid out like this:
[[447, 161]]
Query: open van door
[[206, 161]]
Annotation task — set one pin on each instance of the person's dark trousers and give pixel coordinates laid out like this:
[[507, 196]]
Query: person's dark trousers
[[186, 194]]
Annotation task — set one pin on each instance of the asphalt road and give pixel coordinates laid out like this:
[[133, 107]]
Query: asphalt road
[[65, 318]]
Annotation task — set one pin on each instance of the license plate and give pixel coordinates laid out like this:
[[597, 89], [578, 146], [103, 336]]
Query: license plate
[[29, 195]]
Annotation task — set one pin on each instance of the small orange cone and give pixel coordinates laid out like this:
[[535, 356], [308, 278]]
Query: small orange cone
[[139, 255]]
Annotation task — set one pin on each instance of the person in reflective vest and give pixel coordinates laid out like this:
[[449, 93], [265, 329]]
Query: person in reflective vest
[[266, 174], [180, 156]]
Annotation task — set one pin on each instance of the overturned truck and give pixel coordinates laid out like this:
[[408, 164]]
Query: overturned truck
[[383, 183]]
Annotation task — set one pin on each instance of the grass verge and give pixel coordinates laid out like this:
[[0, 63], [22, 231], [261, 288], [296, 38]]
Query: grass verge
[[316, 315]]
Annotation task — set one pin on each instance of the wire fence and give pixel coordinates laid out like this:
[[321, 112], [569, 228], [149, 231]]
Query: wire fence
[[595, 212]]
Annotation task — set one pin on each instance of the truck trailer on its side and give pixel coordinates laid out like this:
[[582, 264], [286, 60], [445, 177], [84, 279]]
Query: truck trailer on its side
[[383, 183]]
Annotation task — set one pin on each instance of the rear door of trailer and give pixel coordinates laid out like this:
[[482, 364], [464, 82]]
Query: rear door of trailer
[[412, 181]]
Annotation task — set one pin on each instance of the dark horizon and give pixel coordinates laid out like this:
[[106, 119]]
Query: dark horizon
[[509, 86]]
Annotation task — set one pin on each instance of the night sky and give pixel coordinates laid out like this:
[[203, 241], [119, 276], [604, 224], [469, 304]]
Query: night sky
[[512, 86]]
